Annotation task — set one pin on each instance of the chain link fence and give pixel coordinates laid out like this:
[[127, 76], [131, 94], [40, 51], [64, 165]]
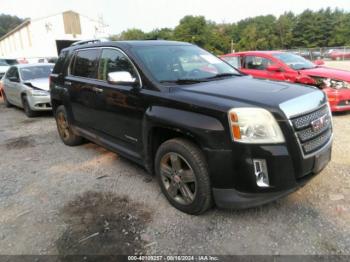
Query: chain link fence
[[325, 53]]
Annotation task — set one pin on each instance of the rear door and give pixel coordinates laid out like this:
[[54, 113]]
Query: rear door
[[256, 66], [81, 82]]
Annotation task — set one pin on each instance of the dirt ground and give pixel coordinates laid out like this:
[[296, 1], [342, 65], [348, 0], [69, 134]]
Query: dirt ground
[[63, 200]]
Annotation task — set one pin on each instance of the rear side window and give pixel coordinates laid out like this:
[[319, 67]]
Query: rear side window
[[235, 61], [86, 63]]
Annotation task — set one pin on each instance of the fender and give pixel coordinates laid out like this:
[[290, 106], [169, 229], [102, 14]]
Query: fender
[[207, 131]]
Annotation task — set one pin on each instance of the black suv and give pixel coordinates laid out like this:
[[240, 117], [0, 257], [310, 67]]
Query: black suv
[[210, 133]]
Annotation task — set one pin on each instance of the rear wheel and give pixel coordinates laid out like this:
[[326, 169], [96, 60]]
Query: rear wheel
[[65, 131], [183, 176], [6, 102], [27, 110]]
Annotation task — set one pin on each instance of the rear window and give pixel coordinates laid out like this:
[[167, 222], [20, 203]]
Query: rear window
[[85, 63]]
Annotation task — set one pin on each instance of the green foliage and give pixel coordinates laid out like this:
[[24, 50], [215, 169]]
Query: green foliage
[[8, 22], [326, 27]]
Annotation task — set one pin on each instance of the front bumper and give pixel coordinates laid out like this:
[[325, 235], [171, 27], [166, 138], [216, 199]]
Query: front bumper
[[287, 173], [39, 103], [339, 100]]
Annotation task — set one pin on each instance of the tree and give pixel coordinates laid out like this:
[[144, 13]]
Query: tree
[[8, 22]]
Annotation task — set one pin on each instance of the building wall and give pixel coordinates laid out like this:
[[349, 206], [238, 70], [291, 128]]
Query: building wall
[[38, 38]]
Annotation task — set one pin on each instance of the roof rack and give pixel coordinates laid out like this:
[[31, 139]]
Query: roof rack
[[90, 41]]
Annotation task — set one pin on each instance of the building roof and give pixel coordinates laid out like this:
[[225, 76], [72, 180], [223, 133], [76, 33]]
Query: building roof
[[20, 26]]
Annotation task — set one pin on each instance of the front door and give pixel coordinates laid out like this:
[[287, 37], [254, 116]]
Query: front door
[[12, 86], [121, 106], [256, 66]]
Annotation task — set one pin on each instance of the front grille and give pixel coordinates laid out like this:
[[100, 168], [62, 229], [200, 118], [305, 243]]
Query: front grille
[[313, 129]]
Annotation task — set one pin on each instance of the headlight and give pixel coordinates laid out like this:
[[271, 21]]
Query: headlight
[[35, 92], [255, 126], [336, 84]]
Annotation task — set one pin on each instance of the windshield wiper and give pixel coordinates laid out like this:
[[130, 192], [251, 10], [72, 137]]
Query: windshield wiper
[[184, 81], [223, 75]]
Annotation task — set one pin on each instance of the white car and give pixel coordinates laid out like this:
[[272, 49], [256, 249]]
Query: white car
[[27, 86]]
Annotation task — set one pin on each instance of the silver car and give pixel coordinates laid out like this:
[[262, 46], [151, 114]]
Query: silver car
[[27, 86]]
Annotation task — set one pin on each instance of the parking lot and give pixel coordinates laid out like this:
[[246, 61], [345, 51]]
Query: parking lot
[[56, 199]]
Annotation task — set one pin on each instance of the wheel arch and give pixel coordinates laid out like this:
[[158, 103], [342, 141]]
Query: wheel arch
[[161, 124]]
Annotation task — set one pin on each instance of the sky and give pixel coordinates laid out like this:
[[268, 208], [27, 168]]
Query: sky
[[151, 14]]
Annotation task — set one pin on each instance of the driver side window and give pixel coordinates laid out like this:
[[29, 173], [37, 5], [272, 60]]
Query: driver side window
[[12, 74], [114, 61], [256, 63]]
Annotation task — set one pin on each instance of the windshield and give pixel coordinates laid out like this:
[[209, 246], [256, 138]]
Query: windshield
[[294, 61], [8, 62], [183, 62], [34, 72]]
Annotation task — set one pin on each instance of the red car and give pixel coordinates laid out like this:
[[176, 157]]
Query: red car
[[282, 66]]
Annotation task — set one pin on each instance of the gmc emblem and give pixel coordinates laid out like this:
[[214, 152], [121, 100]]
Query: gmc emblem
[[319, 123]]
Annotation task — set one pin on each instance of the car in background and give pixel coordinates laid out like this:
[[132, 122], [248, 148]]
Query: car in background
[[5, 63], [27, 86], [289, 67], [339, 54]]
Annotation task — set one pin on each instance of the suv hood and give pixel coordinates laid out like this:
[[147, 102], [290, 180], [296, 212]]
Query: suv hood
[[39, 83], [245, 89], [327, 72]]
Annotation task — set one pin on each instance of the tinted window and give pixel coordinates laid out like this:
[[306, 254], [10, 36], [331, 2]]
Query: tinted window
[[114, 61], [60, 62], [85, 63], [34, 72], [235, 61], [256, 62]]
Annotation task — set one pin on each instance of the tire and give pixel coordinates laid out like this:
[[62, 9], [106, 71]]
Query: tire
[[6, 102], [181, 166], [65, 131], [27, 110]]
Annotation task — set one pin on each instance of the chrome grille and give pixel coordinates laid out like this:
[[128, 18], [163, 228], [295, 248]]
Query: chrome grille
[[305, 120], [312, 138]]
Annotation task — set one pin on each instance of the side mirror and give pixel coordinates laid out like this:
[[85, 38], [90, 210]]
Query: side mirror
[[122, 77], [319, 62], [14, 79], [273, 68]]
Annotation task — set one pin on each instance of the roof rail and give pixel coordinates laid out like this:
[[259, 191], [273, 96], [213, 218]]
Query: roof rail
[[90, 41]]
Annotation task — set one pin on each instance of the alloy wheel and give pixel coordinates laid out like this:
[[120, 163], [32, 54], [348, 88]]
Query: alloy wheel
[[62, 125], [178, 178]]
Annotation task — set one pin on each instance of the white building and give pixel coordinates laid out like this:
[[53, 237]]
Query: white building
[[46, 36]]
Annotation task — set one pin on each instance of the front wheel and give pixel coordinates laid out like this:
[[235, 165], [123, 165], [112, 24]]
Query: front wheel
[[27, 110], [182, 174]]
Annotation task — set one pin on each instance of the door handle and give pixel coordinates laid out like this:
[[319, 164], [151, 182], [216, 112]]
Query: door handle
[[68, 83], [97, 90]]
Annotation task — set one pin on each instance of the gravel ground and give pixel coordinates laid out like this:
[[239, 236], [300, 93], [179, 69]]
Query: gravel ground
[[345, 65], [62, 200]]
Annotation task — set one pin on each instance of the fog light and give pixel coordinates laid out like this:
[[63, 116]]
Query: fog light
[[261, 174]]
